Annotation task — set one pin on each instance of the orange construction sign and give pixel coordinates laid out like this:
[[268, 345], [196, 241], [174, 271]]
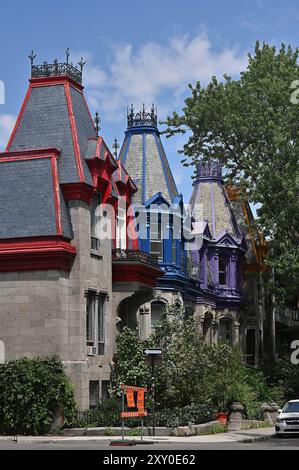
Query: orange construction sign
[[130, 398], [131, 414], [130, 391]]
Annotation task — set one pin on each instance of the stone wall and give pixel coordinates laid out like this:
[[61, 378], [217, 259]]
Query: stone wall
[[44, 312]]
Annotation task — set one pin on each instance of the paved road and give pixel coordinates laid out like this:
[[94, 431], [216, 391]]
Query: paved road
[[271, 444]]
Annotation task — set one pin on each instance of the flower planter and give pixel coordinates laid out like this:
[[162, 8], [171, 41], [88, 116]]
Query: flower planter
[[222, 418]]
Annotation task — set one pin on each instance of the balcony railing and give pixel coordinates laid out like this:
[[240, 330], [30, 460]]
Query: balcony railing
[[190, 268], [289, 314], [121, 255]]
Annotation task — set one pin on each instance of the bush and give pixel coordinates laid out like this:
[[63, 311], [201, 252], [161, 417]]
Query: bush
[[285, 376], [31, 391]]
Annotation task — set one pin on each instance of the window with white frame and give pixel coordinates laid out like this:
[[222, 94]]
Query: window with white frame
[[95, 321], [95, 220], [156, 239], [121, 229]]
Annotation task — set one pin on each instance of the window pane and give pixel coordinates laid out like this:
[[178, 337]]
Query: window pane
[[95, 219], [94, 390], [101, 325], [90, 309], [173, 250], [156, 312], [225, 332], [222, 270], [121, 235]]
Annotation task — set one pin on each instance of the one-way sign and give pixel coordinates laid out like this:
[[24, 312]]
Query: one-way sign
[[152, 352]]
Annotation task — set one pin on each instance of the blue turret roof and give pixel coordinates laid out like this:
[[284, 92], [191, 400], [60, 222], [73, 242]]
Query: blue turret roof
[[143, 156]]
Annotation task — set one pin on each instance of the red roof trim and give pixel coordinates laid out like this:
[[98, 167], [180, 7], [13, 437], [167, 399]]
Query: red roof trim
[[31, 254], [18, 120], [74, 131], [28, 155], [56, 191], [77, 191], [89, 112], [138, 272], [60, 80]]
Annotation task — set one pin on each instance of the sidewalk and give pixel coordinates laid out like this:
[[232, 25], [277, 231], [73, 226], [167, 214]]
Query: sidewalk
[[251, 435]]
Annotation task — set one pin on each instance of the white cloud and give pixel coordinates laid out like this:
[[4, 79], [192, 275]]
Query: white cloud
[[145, 74], [6, 125]]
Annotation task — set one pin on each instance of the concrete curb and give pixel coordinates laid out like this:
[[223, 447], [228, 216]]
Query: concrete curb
[[247, 440]]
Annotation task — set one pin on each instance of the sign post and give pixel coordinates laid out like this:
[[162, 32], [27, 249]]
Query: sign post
[[153, 357]]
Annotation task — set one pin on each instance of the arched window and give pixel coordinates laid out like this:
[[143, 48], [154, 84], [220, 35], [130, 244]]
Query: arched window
[[226, 330]]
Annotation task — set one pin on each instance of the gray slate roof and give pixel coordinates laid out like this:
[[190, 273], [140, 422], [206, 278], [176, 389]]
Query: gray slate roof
[[27, 200], [143, 156], [45, 124]]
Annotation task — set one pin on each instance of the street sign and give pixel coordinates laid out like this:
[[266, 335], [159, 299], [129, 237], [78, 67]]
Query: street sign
[[152, 352]]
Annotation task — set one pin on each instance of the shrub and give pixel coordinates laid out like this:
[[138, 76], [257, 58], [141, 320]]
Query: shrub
[[31, 391]]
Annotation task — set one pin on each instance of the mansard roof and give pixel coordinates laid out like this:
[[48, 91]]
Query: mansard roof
[[209, 201], [55, 114], [143, 156], [32, 204]]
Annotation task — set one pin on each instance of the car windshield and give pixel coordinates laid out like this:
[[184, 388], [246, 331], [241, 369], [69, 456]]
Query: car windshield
[[291, 407]]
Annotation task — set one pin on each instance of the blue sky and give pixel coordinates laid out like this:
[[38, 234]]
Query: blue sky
[[137, 51]]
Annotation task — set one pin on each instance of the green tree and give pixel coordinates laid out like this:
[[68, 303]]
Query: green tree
[[31, 391], [192, 373], [251, 126]]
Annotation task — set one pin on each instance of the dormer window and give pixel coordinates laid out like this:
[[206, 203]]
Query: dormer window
[[95, 216], [222, 270]]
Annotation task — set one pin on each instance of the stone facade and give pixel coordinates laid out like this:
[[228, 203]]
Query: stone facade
[[44, 312]]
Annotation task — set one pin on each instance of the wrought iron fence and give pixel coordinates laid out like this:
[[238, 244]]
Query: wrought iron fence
[[168, 417], [134, 255], [56, 69]]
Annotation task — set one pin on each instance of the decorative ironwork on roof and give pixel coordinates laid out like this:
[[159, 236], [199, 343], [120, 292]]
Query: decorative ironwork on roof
[[57, 68], [209, 169], [143, 117]]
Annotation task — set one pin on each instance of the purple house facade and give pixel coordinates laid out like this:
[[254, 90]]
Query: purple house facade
[[221, 254]]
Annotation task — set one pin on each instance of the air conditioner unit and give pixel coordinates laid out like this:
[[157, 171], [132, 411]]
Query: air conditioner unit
[[91, 350]]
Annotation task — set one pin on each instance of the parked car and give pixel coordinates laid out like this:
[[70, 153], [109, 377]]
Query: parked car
[[287, 421]]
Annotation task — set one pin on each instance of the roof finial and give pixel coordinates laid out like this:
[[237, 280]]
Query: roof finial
[[67, 54], [115, 146], [143, 110], [31, 57], [81, 63], [97, 121]]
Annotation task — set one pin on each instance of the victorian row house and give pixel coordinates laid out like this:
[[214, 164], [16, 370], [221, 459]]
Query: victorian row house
[[90, 243]]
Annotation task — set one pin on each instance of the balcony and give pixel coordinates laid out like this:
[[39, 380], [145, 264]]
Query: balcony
[[120, 255], [135, 266], [190, 268]]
